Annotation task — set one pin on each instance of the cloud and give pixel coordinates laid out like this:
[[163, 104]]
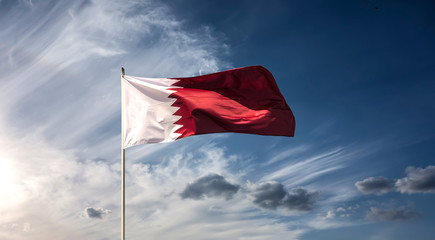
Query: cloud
[[340, 209], [95, 213], [377, 214], [271, 195], [60, 134], [161, 214], [418, 180], [316, 167], [307, 168], [340, 212], [268, 195], [379, 185], [212, 185], [59, 42], [330, 214], [287, 153], [300, 200]]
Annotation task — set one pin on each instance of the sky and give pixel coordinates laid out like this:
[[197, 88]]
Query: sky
[[358, 76]]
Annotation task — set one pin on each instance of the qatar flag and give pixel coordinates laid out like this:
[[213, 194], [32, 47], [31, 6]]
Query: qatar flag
[[241, 100]]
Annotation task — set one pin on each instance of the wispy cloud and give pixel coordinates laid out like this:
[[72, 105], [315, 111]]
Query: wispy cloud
[[286, 154], [312, 167], [71, 79], [306, 169], [60, 108]]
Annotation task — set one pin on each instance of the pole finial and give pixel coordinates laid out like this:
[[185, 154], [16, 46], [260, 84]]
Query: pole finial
[[122, 71]]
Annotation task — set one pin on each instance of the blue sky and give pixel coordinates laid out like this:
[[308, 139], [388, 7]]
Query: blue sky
[[358, 75]]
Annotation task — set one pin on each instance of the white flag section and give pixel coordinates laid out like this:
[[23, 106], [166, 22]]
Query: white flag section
[[147, 112]]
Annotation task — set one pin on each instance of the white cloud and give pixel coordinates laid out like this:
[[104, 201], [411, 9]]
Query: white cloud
[[307, 169], [330, 214], [49, 189], [286, 154], [60, 108], [340, 212], [340, 209], [160, 211]]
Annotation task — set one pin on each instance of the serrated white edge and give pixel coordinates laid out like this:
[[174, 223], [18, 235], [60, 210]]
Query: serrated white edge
[[148, 114]]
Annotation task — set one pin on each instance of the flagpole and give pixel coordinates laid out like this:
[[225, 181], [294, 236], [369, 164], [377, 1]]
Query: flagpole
[[122, 160]]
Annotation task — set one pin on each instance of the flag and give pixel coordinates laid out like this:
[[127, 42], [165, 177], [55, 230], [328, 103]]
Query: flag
[[241, 100]]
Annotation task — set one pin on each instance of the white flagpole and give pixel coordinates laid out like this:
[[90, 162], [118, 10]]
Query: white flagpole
[[122, 160]]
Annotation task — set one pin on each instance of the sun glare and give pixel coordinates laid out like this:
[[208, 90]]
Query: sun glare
[[6, 177]]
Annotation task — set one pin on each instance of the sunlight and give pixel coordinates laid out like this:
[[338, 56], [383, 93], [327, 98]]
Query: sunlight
[[6, 177]]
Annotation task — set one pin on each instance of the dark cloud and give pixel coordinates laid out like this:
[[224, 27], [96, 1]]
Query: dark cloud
[[96, 213], [301, 200], [377, 214], [379, 185], [418, 180], [212, 185], [271, 195]]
